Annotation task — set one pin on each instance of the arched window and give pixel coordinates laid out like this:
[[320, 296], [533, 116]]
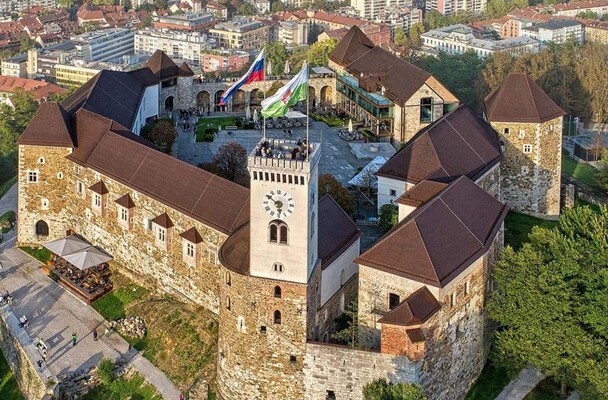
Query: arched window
[[277, 317], [273, 233], [227, 278], [342, 277], [227, 303], [277, 292], [283, 235], [42, 228]]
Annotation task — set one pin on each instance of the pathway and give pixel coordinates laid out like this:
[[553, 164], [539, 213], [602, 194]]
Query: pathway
[[525, 382], [8, 202], [54, 314]]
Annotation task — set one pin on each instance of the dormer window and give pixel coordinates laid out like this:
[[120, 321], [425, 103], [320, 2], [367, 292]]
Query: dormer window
[[124, 210], [191, 247], [98, 200], [162, 230]]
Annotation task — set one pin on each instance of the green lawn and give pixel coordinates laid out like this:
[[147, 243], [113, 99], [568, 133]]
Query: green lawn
[[8, 384], [40, 254], [582, 172], [546, 390], [489, 384], [5, 219], [213, 123], [112, 305], [518, 227], [7, 185], [121, 388]]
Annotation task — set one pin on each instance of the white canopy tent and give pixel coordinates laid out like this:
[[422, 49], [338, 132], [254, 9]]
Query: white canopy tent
[[67, 245], [294, 114], [367, 176], [87, 258]]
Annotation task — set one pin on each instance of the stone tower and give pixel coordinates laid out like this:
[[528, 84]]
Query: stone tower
[[265, 269], [529, 125]]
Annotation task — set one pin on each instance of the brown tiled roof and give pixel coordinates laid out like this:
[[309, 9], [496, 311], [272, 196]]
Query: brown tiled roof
[[163, 220], [416, 335], [162, 66], [112, 94], [459, 143], [234, 253], [421, 193], [125, 201], [442, 238], [99, 188], [192, 236], [520, 99], [50, 126], [337, 231], [352, 46], [416, 309], [109, 148], [184, 70]]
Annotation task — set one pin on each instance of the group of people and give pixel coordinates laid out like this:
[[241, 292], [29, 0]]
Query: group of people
[[6, 298], [266, 150]]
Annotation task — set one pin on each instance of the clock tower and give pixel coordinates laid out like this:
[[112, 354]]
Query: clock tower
[[284, 209]]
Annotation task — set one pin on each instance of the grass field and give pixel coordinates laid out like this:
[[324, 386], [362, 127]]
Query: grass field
[[213, 123], [546, 390], [7, 185], [518, 227], [8, 384], [181, 339], [134, 388], [489, 384], [582, 172], [40, 254]]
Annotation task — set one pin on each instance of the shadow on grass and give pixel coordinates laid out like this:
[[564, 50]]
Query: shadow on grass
[[489, 384]]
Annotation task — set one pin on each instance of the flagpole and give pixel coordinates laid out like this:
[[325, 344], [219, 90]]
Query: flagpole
[[264, 89], [307, 108]]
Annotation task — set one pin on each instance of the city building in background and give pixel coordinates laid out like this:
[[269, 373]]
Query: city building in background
[[293, 33], [448, 7], [177, 44], [240, 34], [555, 31], [188, 22], [15, 66], [220, 11], [41, 62], [224, 60], [104, 45], [400, 18]]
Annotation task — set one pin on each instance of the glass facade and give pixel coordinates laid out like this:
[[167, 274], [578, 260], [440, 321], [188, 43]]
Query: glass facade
[[374, 104]]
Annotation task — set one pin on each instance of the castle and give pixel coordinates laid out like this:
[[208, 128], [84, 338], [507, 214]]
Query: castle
[[279, 265]]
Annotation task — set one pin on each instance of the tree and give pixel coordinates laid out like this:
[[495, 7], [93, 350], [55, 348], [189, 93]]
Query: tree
[[14, 120], [416, 30], [65, 3], [380, 389], [314, 32], [551, 302], [328, 184], [389, 216], [247, 9], [277, 6], [588, 14], [348, 326], [601, 177], [163, 134], [318, 53], [26, 43], [400, 39], [277, 54], [231, 161], [276, 85]]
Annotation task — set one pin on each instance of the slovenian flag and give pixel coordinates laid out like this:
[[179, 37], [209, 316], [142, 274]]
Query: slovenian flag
[[287, 96], [255, 73]]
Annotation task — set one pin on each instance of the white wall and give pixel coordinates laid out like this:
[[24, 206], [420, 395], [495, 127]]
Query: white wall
[[330, 276], [148, 107], [385, 185]]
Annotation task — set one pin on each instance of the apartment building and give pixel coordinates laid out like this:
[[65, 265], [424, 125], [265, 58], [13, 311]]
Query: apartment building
[[399, 18], [555, 31], [176, 44], [224, 60], [187, 22], [104, 45], [447, 7], [11, 6], [240, 34], [41, 62], [293, 33], [15, 66]]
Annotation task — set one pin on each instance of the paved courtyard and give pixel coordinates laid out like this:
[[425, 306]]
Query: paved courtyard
[[337, 157]]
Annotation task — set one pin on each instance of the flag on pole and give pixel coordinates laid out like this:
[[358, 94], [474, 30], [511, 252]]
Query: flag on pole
[[255, 73], [287, 96]]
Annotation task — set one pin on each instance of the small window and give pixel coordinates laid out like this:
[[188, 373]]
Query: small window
[[453, 299], [263, 329], [79, 187], [59, 175], [32, 177], [467, 288], [277, 267], [147, 224], [524, 170], [227, 278], [312, 225], [41, 160], [227, 303], [527, 148], [255, 175], [393, 192], [277, 317], [161, 234], [97, 200], [426, 109], [283, 234], [277, 292], [342, 277], [190, 249], [274, 233], [330, 395], [393, 301], [211, 256], [124, 214], [522, 133], [292, 359], [45, 203], [506, 131]]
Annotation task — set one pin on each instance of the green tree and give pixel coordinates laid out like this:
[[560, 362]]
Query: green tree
[[314, 32], [276, 85], [65, 3], [231, 161], [551, 303], [318, 53], [389, 216], [588, 15], [247, 9], [348, 326], [277, 6], [163, 135], [277, 54], [14, 120], [601, 177], [400, 38], [328, 184], [416, 30], [26, 43], [380, 389]]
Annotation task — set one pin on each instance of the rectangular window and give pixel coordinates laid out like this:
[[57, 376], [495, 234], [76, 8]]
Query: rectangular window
[[255, 175], [79, 187], [506, 131], [190, 249], [290, 179], [161, 234], [393, 301], [97, 200], [467, 288], [426, 109], [393, 192], [124, 214], [527, 148], [453, 299], [32, 177], [211, 256]]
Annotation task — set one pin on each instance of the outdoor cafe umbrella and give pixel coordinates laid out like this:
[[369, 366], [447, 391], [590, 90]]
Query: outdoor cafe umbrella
[[269, 68], [67, 245], [287, 69], [255, 115], [248, 112], [350, 125], [87, 258]]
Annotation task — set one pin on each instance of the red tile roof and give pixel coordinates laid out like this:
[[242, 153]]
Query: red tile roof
[[415, 310], [337, 231], [163, 220], [125, 201], [99, 188], [53, 116], [192, 236], [520, 99]]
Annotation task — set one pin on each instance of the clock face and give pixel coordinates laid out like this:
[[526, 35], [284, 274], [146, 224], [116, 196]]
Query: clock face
[[278, 203]]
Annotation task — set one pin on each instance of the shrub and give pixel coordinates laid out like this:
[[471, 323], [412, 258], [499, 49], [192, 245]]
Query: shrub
[[238, 123], [389, 214], [208, 137], [105, 371]]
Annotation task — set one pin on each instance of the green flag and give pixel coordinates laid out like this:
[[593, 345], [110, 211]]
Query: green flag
[[287, 96]]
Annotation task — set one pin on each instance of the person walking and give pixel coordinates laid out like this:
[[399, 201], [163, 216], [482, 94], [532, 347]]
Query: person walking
[[95, 335], [74, 339]]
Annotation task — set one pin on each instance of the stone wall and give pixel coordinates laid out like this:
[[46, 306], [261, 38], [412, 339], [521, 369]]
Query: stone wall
[[324, 319], [134, 249], [490, 181], [345, 371], [530, 182], [260, 358], [30, 381]]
